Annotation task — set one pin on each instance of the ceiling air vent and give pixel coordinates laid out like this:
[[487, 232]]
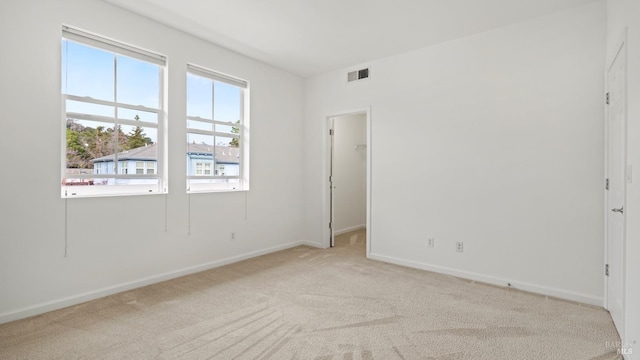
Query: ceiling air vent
[[358, 75]]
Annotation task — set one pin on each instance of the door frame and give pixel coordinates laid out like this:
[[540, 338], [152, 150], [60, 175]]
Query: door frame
[[619, 50], [327, 233]]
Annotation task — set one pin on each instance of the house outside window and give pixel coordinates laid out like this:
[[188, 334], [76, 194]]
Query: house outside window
[[151, 167], [113, 116], [217, 128]]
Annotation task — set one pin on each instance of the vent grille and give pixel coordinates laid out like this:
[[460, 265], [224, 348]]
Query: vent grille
[[358, 75]]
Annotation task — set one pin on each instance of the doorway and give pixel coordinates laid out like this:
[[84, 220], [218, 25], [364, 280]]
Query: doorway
[[616, 182], [348, 169]]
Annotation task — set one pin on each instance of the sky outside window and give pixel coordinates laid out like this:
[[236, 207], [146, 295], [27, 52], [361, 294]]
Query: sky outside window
[[92, 72], [201, 102]]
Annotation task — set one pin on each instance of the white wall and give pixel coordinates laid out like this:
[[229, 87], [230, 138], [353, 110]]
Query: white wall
[[621, 14], [501, 138], [349, 172], [120, 242]]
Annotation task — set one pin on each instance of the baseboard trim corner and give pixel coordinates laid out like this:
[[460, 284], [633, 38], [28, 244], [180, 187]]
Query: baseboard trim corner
[[532, 288], [313, 244]]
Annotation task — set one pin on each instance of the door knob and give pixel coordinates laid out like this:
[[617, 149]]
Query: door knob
[[621, 210]]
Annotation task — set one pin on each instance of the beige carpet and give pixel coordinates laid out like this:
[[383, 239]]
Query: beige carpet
[[307, 303]]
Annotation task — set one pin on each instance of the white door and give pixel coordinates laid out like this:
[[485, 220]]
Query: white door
[[616, 169]]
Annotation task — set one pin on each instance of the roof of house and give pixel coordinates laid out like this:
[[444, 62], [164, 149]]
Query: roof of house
[[223, 154], [147, 152]]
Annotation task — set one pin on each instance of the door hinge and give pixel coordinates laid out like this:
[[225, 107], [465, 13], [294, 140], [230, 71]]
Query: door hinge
[[329, 225], [606, 184], [606, 270], [607, 98], [330, 131]]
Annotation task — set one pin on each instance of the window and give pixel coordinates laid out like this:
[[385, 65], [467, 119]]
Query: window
[[217, 129], [151, 167], [113, 113]]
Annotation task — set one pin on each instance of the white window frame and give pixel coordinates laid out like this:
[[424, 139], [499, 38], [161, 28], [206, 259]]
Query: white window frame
[[243, 136], [118, 48]]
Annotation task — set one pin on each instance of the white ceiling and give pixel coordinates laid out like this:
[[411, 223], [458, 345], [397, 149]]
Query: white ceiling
[[307, 37]]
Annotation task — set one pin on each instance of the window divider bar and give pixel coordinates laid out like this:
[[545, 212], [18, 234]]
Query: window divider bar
[[198, 118], [110, 120], [90, 100], [199, 132], [213, 133], [89, 117], [137, 123], [210, 121]]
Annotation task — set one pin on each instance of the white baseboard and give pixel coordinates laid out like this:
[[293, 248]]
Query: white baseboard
[[99, 293], [313, 244], [543, 290], [349, 229]]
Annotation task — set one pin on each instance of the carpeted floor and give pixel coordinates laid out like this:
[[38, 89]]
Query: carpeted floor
[[307, 303]]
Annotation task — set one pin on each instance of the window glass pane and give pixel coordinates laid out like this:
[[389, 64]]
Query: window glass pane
[[199, 97], [104, 166], [226, 104], [201, 165], [138, 82], [227, 155], [89, 109], [137, 181], [199, 152], [129, 114], [198, 139], [213, 184], [74, 181], [137, 137], [71, 181], [232, 128], [87, 141], [223, 141], [87, 71]]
